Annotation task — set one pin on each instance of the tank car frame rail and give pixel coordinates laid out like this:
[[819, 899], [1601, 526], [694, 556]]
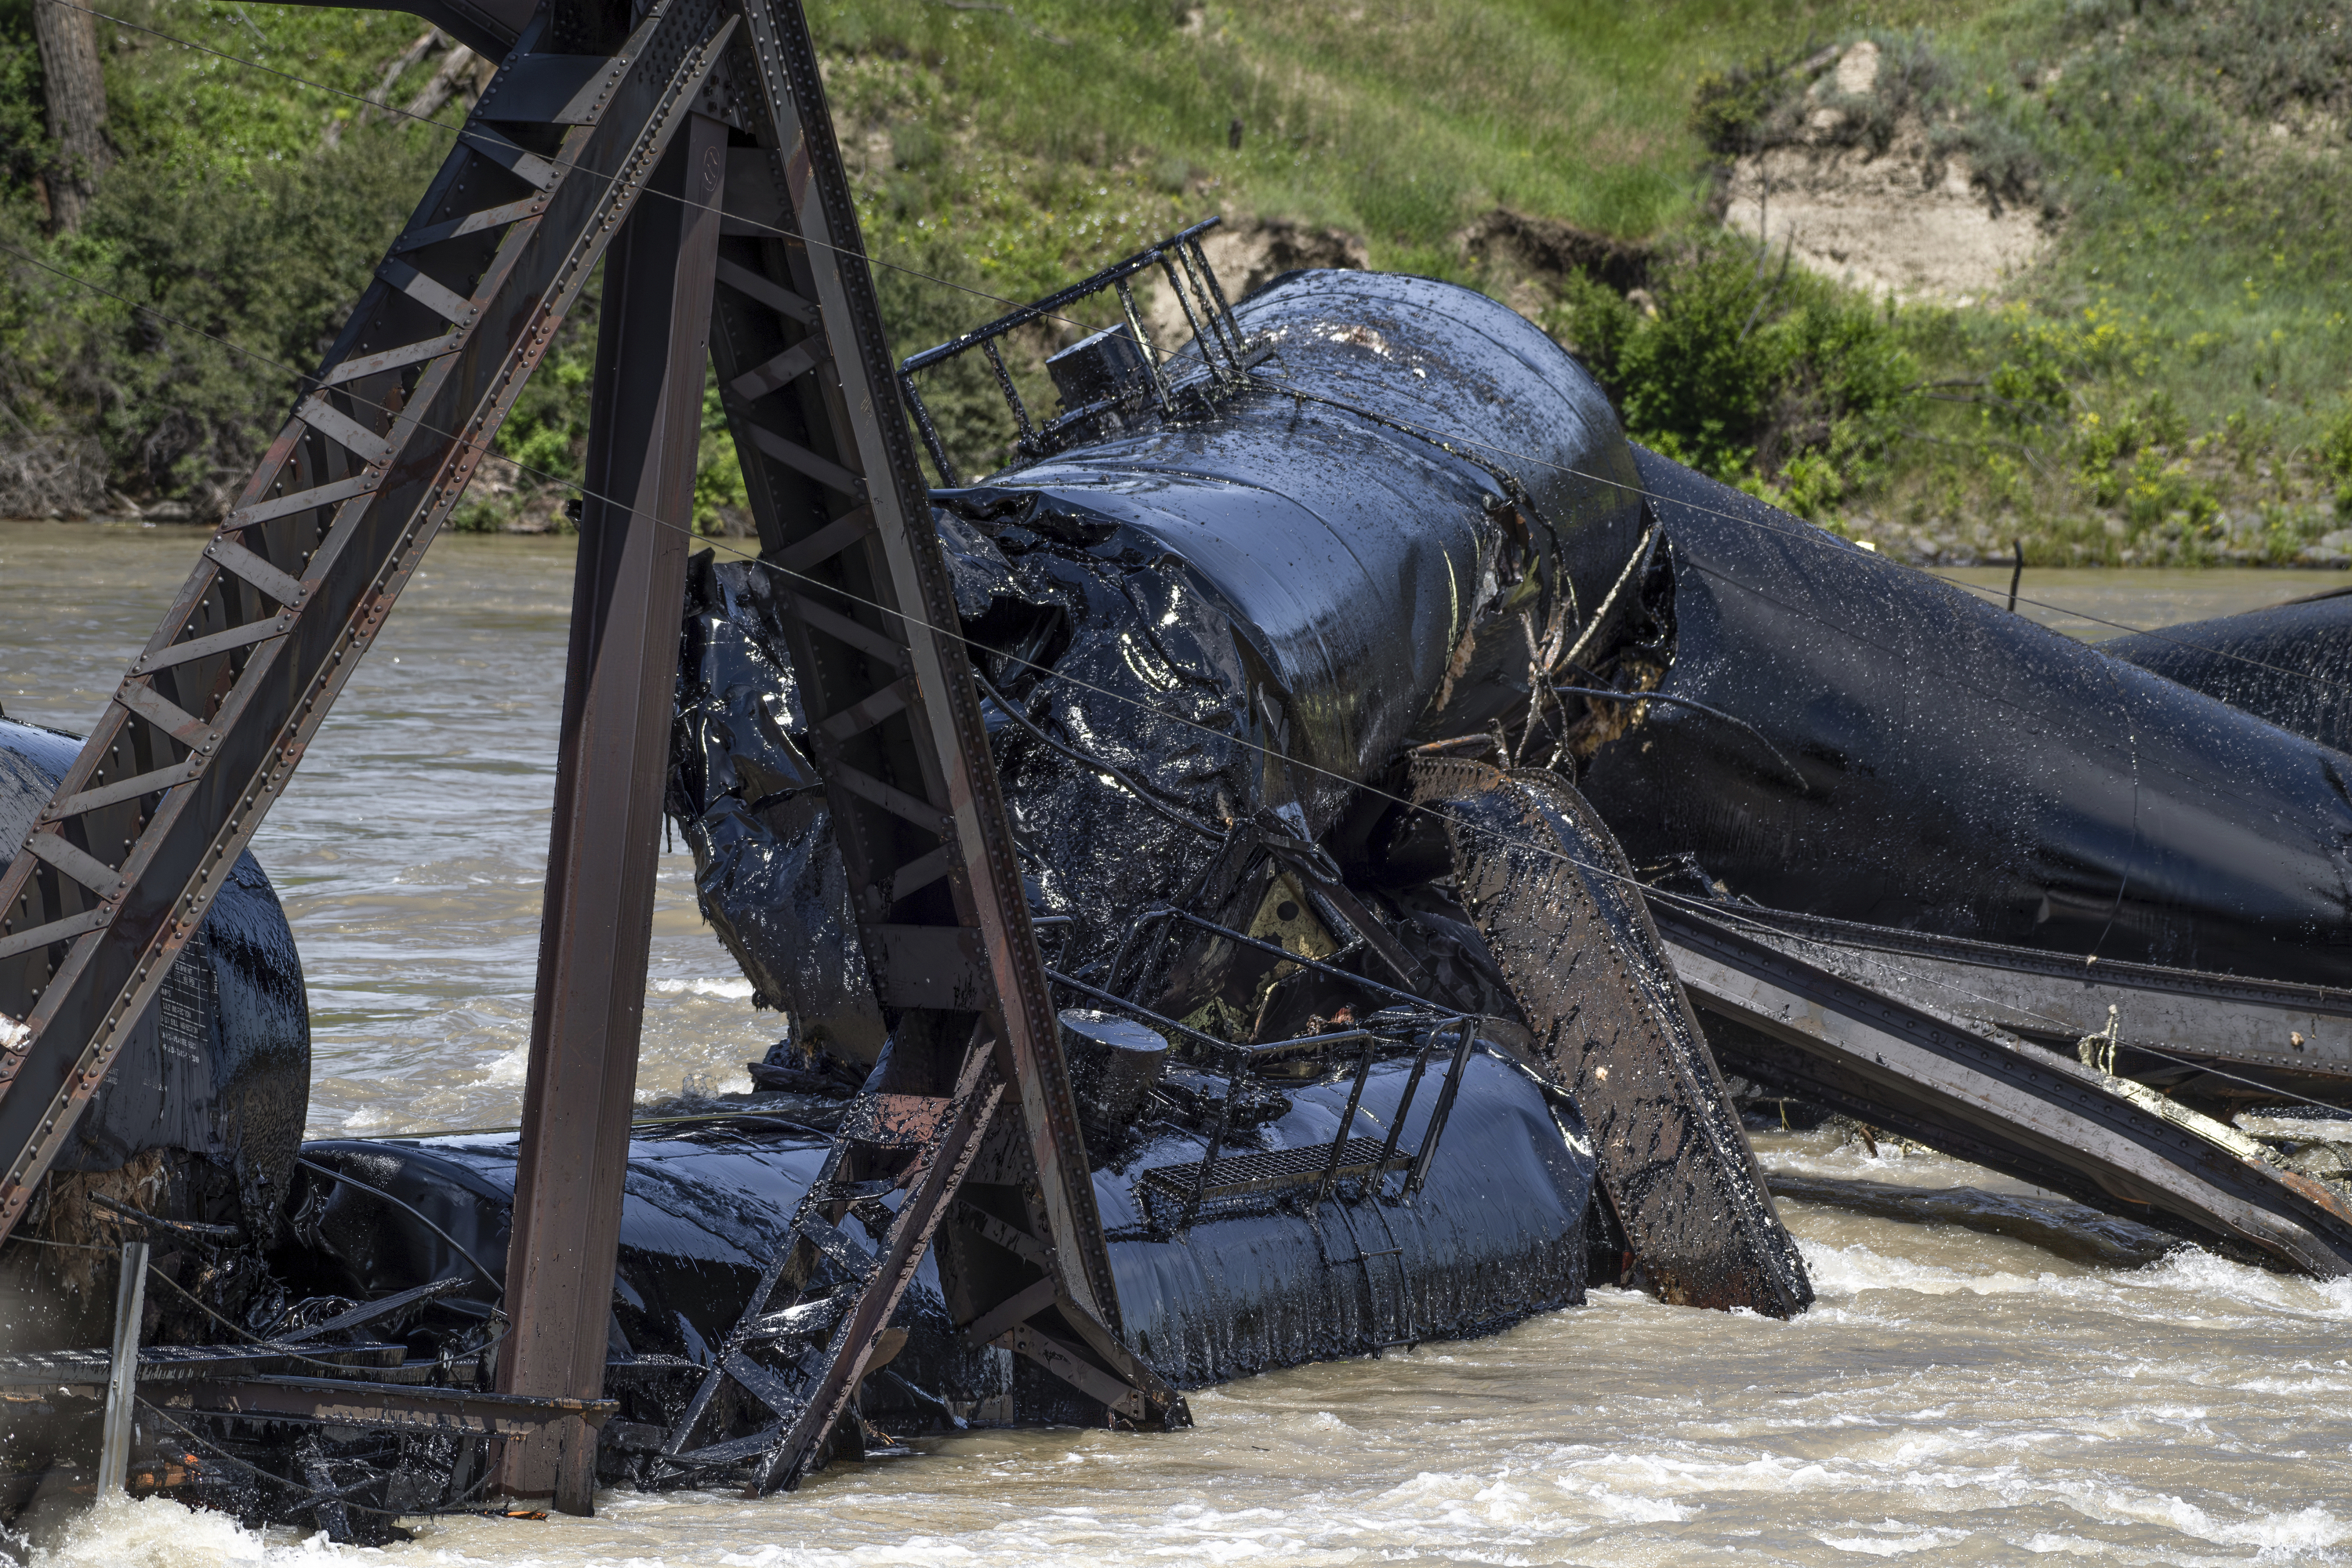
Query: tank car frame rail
[[1559, 907], [1800, 1007], [2217, 1037], [750, 251]]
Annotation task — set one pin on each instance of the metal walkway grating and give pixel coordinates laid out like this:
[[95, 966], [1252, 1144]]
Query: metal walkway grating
[[1244, 1175]]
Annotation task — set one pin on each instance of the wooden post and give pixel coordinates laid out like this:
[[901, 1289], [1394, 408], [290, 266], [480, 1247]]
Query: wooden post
[[122, 1377]]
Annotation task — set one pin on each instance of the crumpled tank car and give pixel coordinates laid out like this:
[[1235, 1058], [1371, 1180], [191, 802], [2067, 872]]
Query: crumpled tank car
[[1229, 636]]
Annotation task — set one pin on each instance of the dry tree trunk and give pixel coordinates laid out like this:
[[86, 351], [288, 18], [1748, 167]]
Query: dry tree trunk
[[427, 42], [449, 82], [67, 38]]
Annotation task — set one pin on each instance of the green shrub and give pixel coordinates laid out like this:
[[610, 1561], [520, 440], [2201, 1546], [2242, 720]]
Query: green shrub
[[241, 295], [722, 502], [1756, 375], [25, 144], [2158, 493], [1736, 112], [1911, 79], [2336, 457]]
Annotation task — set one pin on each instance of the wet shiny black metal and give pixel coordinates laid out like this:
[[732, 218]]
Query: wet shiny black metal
[[2291, 663], [768, 874], [1253, 1283], [1413, 470], [1965, 771], [1252, 607], [220, 1066]]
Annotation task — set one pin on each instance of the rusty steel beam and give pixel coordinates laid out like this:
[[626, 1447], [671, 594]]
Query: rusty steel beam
[[457, 1411], [629, 588], [1552, 895], [83, 1373], [211, 719], [929, 854], [870, 617]]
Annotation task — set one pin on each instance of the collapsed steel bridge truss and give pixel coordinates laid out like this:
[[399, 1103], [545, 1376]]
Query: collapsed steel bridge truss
[[687, 144]]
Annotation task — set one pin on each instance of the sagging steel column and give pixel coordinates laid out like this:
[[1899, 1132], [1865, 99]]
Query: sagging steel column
[[629, 591]]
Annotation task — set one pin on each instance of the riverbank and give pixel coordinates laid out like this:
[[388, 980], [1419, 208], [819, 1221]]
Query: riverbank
[[1940, 546], [2068, 272]]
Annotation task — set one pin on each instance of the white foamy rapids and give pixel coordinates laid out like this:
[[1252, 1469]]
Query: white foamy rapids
[[509, 1068], [731, 990], [366, 1119], [2187, 1280], [152, 1532]]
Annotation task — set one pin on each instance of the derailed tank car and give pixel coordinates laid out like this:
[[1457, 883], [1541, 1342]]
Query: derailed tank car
[[1231, 624], [1254, 612]]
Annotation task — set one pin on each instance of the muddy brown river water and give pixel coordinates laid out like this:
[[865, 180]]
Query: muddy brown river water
[[1990, 1375]]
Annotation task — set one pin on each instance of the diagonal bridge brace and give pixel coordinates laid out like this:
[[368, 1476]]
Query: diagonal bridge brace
[[716, 107], [999, 1179], [205, 729]]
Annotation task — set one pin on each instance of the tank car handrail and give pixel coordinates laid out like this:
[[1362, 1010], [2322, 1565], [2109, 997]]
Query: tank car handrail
[[1197, 290], [1126, 267]]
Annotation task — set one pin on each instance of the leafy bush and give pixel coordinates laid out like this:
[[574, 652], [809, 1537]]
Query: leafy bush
[[1770, 378], [183, 358], [2336, 457], [1744, 109], [25, 145], [722, 502]]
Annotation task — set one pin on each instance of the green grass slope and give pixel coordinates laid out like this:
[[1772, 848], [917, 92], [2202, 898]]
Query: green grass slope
[[2167, 382]]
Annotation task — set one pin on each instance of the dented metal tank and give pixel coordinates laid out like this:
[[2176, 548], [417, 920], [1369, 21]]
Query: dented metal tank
[[201, 1115], [1417, 501]]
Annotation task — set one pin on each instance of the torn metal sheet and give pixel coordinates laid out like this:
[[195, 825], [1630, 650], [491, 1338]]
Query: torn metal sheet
[[768, 875]]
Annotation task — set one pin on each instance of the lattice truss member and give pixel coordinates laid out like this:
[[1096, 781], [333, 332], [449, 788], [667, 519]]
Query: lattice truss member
[[691, 137]]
